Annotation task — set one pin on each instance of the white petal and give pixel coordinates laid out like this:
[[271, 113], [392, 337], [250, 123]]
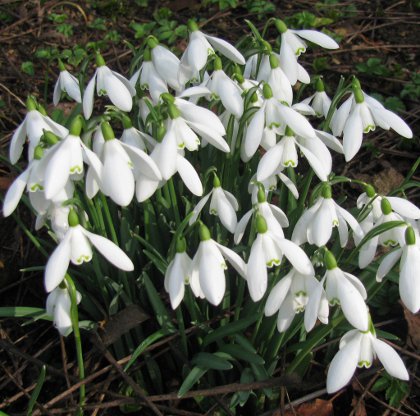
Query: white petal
[[389, 358], [213, 137], [270, 162], [174, 281], [71, 86], [277, 295], [340, 116], [197, 51], [17, 142], [14, 193], [88, 98], [57, 91], [254, 133], [319, 38], [257, 271], [126, 83], [313, 306], [189, 175], [296, 256], [343, 365], [288, 61], [296, 121], [241, 226], [226, 49], [142, 162], [352, 134], [233, 258], [57, 264], [167, 65], [321, 167], [410, 278], [145, 188], [403, 207], [110, 251], [225, 211], [286, 314], [197, 209], [117, 92], [329, 140], [387, 264]]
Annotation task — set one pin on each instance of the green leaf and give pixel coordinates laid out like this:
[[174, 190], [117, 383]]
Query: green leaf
[[20, 312], [151, 339], [193, 376], [211, 361], [240, 353], [28, 68], [37, 390], [380, 385], [229, 329]]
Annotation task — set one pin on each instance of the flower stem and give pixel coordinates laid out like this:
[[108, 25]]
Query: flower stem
[[174, 201], [109, 219], [74, 314]]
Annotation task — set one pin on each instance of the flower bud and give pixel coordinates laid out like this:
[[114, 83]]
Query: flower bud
[[319, 85], [73, 218], [358, 95], [329, 260], [181, 245], [147, 55], [370, 190], [274, 62], [217, 64], [192, 25], [167, 97], [261, 194], [50, 138], [76, 126], [410, 236], [267, 46], [386, 206], [61, 66], [99, 60], [31, 103], [216, 181], [261, 224], [326, 191], [160, 133], [152, 42], [127, 124], [280, 25], [107, 131], [38, 153], [289, 132], [267, 91], [204, 233], [173, 111]]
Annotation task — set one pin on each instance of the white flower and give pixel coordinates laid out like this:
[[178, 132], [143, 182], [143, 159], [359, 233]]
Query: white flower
[[290, 296], [360, 114], [409, 283], [208, 268], [33, 127], [199, 48], [284, 154], [76, 247], [178, 274], [316, 223], [227, 90], [359, 349], [222, 203], [58, 306], [319, 101], [267, 251], [273, 115], [67, 83], [292, 46], [114, 85]]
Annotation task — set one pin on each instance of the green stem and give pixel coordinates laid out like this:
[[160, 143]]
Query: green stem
[[74, 314], [181, 328], [174, 201], [109, 219]]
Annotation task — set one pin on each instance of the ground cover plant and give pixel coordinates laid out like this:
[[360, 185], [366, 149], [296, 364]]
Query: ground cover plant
[[200, 254]]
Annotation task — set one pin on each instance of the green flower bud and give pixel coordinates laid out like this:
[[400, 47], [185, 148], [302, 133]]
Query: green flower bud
[[386, 206], [216, 181], [274, 62], [261, 194], [167, 97], [410, 236], [319, 85], [61, 66], [267, 46], [267, 91], [76, 126], [107, 131], [127, 124], [42, 110], [239, 78], [192, 25], [355, 83], [204, 233], [38, 153], [73, 218], [31, 103], [326, 191], [160, 133], [173, 111], [99, 60], [147, 55], [280, 25], [370, 191], [254, 97], [329, 260], [217, 64], [358, 95], [50, 138], [261, 224], [181, 245], [289, 132], [152, 42]]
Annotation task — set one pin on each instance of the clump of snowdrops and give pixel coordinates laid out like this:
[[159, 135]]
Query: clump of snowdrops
[[203, 190]]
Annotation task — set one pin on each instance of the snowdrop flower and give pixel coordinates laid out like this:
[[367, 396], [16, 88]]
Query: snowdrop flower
[[409, 256], [165, 62], [290, 297], [32, 178], [134, 137], [76, 247], [359, 349], [122, 164], [316, 224], [276, 219], [273, 115], [341, 288], [118, 88], [222, 203], [33, 127], [58, 306], [178, 274], [149, 78], [320, 102], [292, 46], [208, 268], [284, 154], [67, 83], [267, 251], [199, 48], [360, 114], [227, 90]]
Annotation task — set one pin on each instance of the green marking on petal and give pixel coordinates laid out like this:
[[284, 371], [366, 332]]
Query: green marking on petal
[[83, 258], [299, 51], [273, 262], [368, 128], [36, 187], [76, 169], [290, 163], [213, 211], [364, 363]]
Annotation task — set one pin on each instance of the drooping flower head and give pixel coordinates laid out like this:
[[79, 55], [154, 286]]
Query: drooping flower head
[[67, 83]]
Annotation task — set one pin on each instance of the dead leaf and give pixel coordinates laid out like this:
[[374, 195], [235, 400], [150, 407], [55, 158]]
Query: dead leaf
[[318, 407], [360, 410], [387, 180], [413, 322]]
